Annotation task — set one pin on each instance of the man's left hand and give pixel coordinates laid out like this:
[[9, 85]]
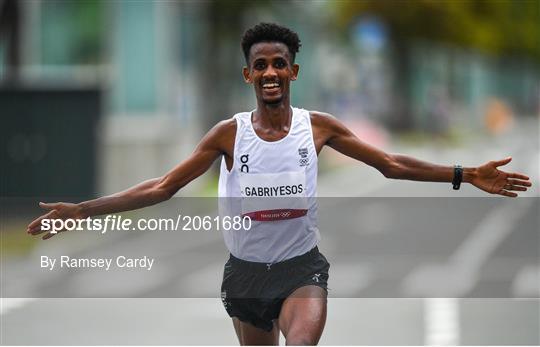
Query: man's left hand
[[492, 180]]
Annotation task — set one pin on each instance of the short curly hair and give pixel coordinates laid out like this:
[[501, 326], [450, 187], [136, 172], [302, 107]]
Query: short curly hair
[[270, 32]]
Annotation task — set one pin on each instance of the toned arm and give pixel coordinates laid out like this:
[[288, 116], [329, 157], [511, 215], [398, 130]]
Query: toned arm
[[218, 141], [329, 131]]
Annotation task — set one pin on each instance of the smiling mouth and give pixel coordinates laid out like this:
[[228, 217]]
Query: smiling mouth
[[270, 87]]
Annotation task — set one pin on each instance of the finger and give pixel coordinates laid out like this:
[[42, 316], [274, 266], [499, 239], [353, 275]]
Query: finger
[[507, 193], [47, 236], [48, 206], [37, 232], [36, 224], [520, 183], [38, 220], [502, 162], [516, 188], [517, 175], [35, 229]]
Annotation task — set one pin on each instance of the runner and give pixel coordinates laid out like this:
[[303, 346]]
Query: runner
[[276, 279]]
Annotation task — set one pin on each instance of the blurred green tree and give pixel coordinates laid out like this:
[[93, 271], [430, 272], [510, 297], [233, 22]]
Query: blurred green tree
[[500, 27], [72, 32]]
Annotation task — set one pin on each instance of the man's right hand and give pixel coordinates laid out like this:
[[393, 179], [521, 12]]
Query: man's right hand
[[58, 210]]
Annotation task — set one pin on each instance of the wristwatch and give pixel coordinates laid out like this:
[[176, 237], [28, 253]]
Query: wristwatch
[[458, 177]]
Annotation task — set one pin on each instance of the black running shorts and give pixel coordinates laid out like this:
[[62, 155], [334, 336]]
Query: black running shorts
[[254, 292]]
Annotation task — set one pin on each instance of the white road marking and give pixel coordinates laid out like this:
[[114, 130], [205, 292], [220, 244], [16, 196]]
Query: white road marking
[[441, 322], [9, 304], [459, 275]]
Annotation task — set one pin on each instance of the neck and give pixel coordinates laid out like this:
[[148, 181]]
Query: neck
[[273, 116]]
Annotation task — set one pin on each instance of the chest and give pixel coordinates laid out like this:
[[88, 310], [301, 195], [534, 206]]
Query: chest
[[285, 156]]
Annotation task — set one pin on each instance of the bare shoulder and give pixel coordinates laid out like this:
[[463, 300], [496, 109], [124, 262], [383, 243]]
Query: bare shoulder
[[321, 119], [221, 137], [225, 127], [326, 122], [327, 125], [222, 131]]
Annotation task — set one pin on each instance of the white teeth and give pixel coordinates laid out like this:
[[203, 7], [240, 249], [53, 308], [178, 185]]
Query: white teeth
[[270, 85]]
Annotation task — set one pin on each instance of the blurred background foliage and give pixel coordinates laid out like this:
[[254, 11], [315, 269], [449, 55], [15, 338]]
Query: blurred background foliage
[[500, 27], [83, 45]]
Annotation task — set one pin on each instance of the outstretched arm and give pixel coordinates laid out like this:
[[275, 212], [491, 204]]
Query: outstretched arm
[[487, 177], [215, 143]]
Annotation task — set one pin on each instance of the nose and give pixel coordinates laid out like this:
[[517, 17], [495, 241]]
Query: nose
[[269, 72]]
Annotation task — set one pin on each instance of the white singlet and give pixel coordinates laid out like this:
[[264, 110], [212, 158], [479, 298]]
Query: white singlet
[[275, 184]]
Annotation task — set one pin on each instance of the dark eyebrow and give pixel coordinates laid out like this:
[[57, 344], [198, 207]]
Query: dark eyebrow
[[255, 61], [263, 60]]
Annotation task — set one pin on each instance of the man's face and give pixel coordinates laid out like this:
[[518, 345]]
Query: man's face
[[271, 71]]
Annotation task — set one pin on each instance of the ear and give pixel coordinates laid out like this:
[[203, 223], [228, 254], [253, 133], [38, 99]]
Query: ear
[[246, 74], [295, 69]]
